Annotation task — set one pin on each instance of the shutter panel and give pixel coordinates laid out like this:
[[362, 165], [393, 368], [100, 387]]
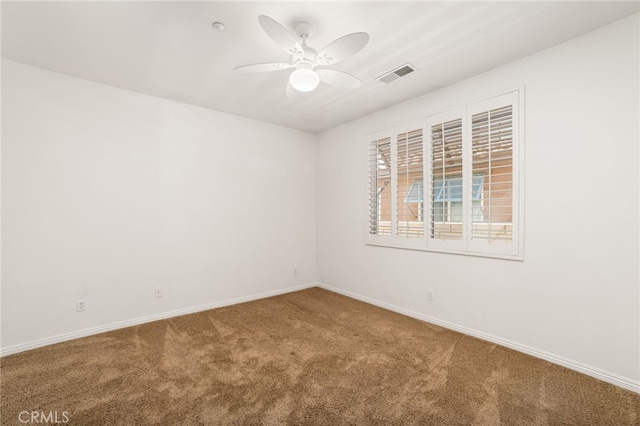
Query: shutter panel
[[446, 169], [409, 172], [492, 158], [380, 186]]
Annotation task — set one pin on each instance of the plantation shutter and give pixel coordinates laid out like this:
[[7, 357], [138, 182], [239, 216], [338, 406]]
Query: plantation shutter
[[450, 182], [409, 174], [446, 170], [380, 186], [492, 157], [495, 155]]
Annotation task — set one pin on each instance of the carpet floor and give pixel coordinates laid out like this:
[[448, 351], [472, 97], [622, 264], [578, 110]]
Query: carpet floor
[[311, 357]]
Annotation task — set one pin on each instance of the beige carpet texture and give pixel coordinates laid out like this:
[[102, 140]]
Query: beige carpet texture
[[310, 357]]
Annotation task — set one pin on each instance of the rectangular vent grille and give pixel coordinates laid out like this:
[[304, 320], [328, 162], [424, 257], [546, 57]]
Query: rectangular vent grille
[[395, 74]]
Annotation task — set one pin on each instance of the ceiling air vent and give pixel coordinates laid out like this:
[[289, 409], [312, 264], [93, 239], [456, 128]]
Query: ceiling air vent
[[395, 74]]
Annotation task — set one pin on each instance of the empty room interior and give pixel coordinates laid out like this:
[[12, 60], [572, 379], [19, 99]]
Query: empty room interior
[[320, 213]]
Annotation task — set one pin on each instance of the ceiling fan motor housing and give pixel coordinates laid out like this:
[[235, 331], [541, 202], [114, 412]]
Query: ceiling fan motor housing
[[304, 30], [309, 55], [303, 64]]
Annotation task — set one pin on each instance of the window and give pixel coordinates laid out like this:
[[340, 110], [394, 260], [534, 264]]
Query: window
[[447, 201], [415, 197], [450, 182]]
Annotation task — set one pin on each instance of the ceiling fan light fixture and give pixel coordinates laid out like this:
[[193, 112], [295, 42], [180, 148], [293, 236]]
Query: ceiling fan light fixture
[[305, 77], [304, 80]]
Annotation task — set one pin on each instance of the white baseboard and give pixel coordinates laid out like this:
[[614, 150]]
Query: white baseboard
[[623, 382], [149, 318], [597, 373]]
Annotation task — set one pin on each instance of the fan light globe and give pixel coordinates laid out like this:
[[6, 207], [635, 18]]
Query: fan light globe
[[304, 80]]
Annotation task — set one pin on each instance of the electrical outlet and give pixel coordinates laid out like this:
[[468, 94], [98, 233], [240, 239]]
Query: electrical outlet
[[81, 305], [430, 295], [157, 292]]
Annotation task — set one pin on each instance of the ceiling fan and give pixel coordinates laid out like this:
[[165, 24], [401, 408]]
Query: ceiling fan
[[306, 61]]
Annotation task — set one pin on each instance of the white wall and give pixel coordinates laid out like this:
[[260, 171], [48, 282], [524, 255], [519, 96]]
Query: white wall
[[108, 193], [575, 297]]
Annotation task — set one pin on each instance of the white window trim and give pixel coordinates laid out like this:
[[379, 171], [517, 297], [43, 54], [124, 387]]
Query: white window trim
[[514, 251]]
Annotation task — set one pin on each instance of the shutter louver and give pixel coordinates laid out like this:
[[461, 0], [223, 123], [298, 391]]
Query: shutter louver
[[446, 171], [492, 157], [409, 173], [380, 187]]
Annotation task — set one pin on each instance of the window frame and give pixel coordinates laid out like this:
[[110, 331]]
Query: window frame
[[465, 246]]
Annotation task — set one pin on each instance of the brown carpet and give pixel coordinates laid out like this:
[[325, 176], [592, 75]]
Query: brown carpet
[[307, 358]]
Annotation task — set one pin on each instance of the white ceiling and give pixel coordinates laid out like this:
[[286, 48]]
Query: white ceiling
[[169, 49]]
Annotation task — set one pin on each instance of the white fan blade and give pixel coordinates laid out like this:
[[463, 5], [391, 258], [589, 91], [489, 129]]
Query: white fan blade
[[291, 92], [339, 79], [271, 66], [342, 48], [280, 35]]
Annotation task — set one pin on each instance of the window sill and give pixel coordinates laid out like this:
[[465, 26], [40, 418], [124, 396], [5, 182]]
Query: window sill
[[420, 247]]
